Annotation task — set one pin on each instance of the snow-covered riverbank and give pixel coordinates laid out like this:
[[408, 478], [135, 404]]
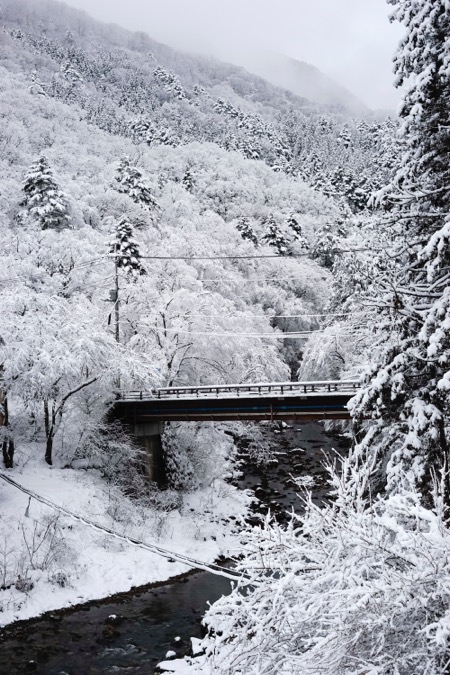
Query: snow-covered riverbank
[[49, 561]]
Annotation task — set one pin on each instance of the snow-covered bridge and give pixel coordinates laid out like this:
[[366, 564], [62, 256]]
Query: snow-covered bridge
[[145, 412], [260, 401]]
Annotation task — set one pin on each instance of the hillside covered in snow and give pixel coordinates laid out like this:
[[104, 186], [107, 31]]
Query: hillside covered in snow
[[215, 203]]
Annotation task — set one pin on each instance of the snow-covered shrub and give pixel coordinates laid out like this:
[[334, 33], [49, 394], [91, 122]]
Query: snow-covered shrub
[[30, 546], [350, 588], [108, 448], [59, 578], [254, 444], [196, 455], [23, 584], [8, 559], [43, 544]]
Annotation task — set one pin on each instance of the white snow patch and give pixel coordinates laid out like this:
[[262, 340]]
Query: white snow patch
[[85, 564]]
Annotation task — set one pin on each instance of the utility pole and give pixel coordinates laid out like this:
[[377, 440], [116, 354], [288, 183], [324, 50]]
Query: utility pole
[[116, 297], [126, 256]]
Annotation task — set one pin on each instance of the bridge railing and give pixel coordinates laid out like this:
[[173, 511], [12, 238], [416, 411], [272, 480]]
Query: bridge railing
[[253, 389]]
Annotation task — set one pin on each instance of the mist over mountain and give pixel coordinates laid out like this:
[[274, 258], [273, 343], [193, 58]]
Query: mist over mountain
[[302, 79]]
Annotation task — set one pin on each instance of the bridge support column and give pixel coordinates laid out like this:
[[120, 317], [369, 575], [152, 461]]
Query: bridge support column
[[148, 435]]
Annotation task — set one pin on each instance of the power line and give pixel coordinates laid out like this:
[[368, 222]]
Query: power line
[[255, 257], [265, 316], [104, 283], [256, 280], [88, 263], [106, 258], [271, 336]]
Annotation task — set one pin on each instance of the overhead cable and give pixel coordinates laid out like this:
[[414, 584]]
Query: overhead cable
[[304, 334], [264, 316], [253, 257]]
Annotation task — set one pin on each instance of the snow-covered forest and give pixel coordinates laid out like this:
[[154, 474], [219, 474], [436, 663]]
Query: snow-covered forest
[[167, 219]]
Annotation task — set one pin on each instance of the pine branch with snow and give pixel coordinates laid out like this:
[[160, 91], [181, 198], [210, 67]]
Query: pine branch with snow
[[407, 391]]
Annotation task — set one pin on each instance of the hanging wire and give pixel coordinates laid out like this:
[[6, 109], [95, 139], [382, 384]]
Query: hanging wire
[[303, 334]]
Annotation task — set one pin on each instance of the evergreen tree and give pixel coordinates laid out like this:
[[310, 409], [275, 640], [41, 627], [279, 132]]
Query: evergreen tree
[[170, 82], [187, 180], [355, 191], [146, 131], [37, 87], [273, 236], [247, 148], [245, 229], [297, 229], [125, 250], [44, 200], [345, 138], [408, 390], [328, 242], [70, 73], [131, 182]]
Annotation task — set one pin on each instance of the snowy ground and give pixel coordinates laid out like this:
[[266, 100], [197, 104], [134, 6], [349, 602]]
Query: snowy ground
[[49, 561]]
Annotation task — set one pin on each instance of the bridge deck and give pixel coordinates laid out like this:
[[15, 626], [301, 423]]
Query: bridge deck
[[256, 390], [273, 401]]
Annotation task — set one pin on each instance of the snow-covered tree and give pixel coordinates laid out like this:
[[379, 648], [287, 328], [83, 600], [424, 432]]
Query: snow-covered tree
[[294, 225], [187, 180], [6, 437], [407, 391], [273, 236], [44, 201], [125, 250], [344, 137], [130, 181], [170, 82], [329, 242], [150, 133], [37, 87], [70, 74], [245, 229], [60, 359], [349, 589]]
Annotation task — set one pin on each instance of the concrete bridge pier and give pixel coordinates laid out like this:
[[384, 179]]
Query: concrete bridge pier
[[148, 436]]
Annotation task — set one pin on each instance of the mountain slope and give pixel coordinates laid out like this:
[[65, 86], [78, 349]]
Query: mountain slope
[[304, 80], [129, 84]]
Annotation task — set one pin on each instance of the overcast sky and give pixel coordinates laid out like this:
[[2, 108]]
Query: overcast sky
[[350, 40]]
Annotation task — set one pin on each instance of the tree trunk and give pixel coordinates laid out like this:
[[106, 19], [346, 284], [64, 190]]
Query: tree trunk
[[49, 449], [8, 442], [53, 418], [8, 453], [46, 419], [50, 427], [445, 464]]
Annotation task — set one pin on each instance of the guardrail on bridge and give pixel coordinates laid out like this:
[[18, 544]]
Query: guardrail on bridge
[[249, 390]]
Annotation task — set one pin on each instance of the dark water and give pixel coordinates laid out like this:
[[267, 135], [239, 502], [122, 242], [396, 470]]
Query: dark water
[[132, 632], [89, 641], [301, 452]]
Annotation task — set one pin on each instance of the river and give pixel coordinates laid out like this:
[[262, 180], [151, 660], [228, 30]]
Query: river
[[132, 632]]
